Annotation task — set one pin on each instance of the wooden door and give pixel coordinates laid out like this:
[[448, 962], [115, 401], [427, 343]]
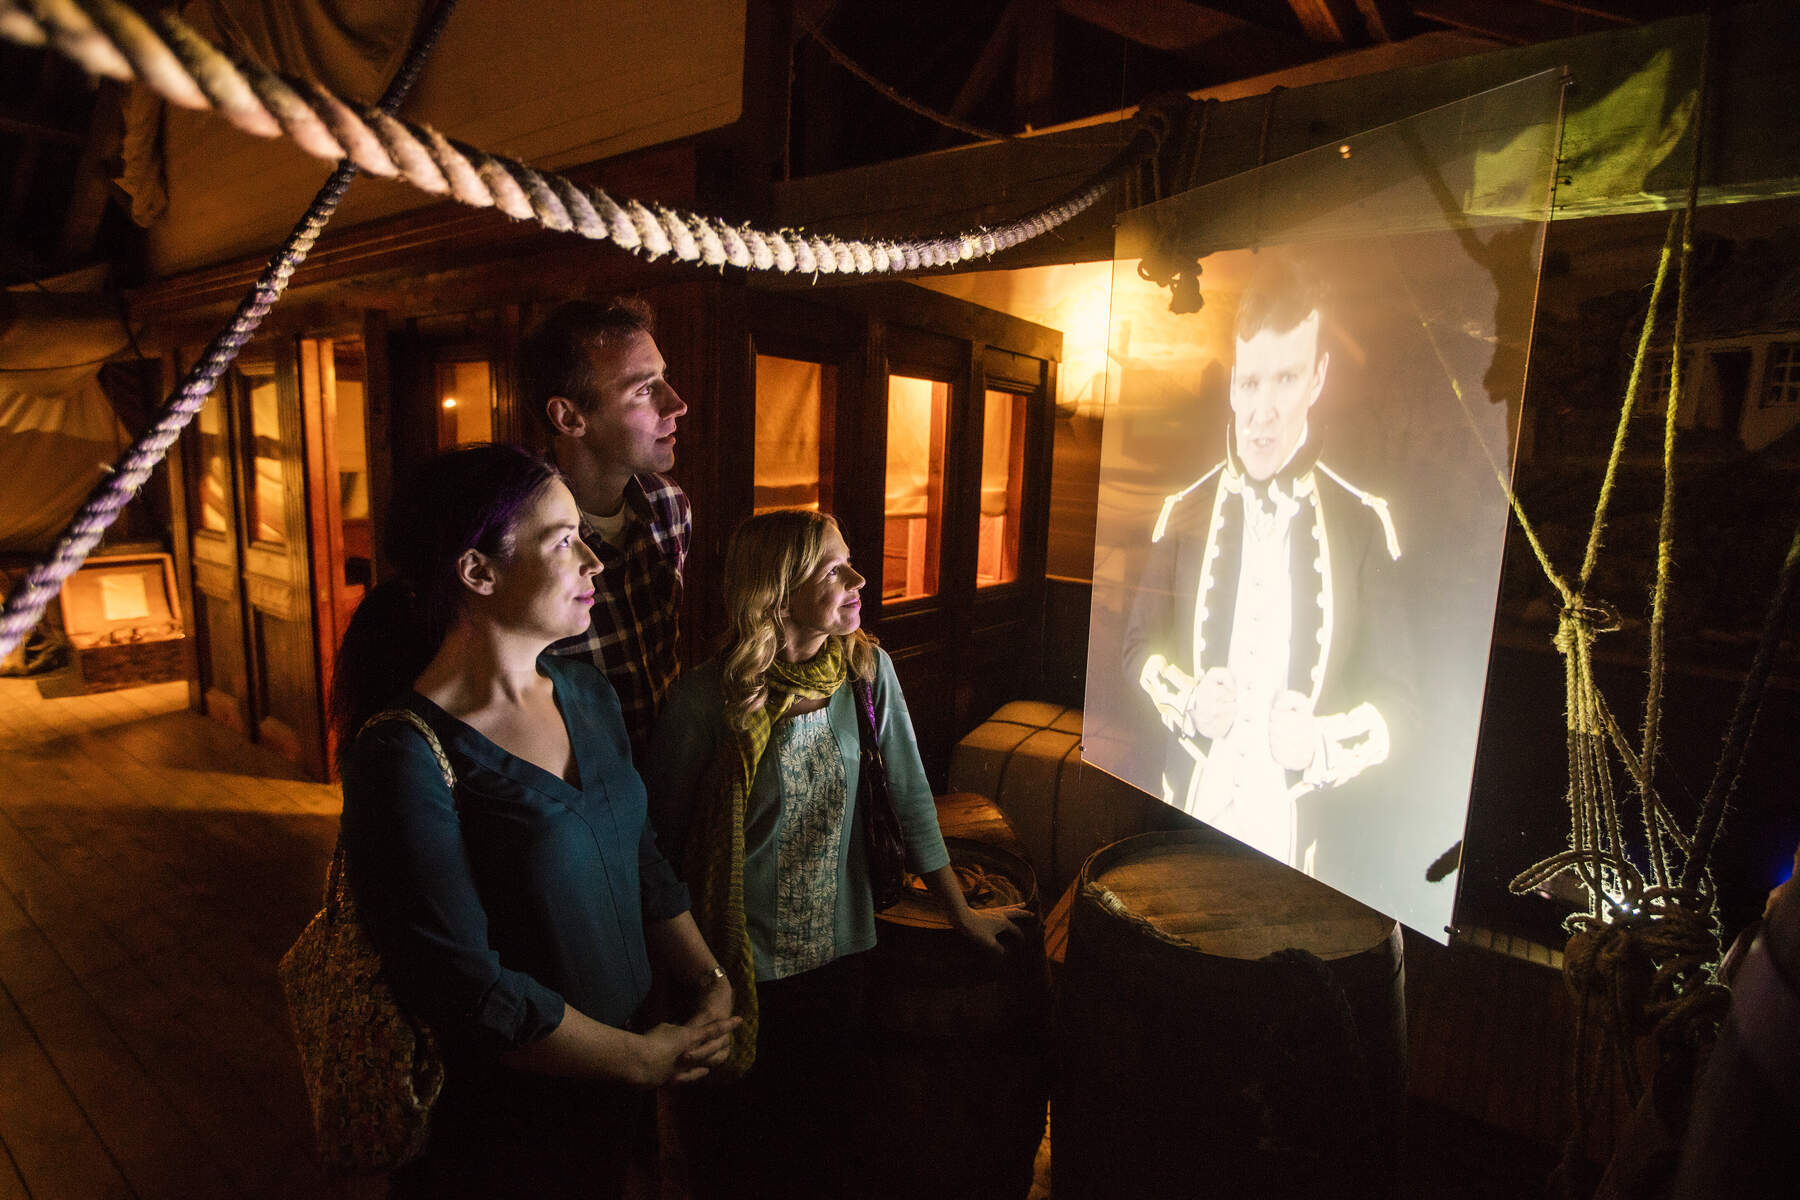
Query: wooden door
[[334, 395], [213, 540], [250, 541]]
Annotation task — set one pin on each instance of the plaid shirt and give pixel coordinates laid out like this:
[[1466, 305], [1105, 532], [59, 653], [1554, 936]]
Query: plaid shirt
[[635, 635]]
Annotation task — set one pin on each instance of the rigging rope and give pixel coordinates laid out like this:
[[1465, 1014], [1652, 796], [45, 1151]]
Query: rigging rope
[[26, 603], [109, 38], [164, 54], [1641, 960], [908, 103]]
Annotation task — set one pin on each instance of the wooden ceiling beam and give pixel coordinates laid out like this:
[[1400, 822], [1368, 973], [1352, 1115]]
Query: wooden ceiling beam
[[1330, 22], [986, 71], [37, 129], [1034, 69], [1603, 15], [1217, 44], [1382, 19], [1175, 26], [1515, 24]]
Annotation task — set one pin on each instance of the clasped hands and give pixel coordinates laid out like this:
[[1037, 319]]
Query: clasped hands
[[1210, 709], [686, 1052]]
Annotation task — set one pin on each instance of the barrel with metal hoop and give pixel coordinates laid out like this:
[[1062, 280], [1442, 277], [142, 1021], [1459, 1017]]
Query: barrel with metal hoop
[[1226, 1026], [960, 1057]]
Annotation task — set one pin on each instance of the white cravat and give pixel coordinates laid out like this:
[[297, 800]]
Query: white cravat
[[1242, 789]]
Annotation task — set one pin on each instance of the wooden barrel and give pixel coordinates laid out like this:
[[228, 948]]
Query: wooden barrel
[[960, 1072], [1226, 1026]]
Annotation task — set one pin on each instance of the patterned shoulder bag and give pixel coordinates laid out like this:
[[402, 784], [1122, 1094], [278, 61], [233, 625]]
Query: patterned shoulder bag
[[372, 1072]]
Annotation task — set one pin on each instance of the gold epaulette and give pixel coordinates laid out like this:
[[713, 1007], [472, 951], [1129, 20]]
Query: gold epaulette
[[1374, 503], [1169, 503]]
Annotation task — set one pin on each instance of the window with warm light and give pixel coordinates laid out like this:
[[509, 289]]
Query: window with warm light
[[917, 411], [268, 497], [794, 404], [465, 403], [1002, 476], [215, 468]]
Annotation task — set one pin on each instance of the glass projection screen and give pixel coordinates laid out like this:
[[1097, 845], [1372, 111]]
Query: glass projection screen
[[1314, 379]]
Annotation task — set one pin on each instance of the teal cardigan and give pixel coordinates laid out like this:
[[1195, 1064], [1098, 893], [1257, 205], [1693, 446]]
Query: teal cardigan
[[689, 733]]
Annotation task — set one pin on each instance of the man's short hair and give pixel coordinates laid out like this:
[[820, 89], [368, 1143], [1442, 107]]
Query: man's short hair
[[555, 358], [1280, 295]]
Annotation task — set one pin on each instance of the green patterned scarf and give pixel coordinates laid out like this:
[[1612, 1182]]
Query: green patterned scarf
[[715, 854]]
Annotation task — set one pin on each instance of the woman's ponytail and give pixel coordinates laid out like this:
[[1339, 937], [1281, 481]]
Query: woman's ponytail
[[385, 648]]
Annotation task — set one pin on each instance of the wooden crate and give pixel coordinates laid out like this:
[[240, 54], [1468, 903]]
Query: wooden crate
[[122, 614]]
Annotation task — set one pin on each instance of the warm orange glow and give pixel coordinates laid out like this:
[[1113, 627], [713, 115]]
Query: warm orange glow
[[467, 408], [1002, 475], [915, 486], [794, 402]]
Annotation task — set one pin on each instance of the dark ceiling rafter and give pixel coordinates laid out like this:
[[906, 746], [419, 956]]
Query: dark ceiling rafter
[[1526, 22], [1000, 64], [1177, 26], [1383, 20], [25, 127], [1329, 22]]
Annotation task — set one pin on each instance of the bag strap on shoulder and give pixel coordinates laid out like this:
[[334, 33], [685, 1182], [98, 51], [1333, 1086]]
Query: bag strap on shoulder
[[865, 714], [337, 883], [431, 739]]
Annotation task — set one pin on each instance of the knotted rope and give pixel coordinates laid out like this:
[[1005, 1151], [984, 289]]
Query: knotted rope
[[44, 580], [1641, 961], [111, 39]]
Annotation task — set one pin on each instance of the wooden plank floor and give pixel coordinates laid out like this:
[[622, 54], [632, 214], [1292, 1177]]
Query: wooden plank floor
[[153, 867]]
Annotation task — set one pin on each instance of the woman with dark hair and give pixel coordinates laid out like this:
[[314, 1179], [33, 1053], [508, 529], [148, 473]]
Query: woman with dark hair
[[753, 773], [519, 912]]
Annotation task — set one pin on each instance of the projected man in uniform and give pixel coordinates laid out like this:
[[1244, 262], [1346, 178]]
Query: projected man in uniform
[[1251, 631]]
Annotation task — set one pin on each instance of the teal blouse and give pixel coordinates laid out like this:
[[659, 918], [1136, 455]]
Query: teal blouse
[[493, 909], [688, 734]]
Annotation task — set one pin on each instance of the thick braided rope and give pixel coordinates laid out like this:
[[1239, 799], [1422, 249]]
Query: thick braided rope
[[1665, 529], [110, 39], [26, 604], [164, 54]]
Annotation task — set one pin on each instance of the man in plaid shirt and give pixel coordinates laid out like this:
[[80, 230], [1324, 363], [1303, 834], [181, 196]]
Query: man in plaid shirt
[[592, 373]]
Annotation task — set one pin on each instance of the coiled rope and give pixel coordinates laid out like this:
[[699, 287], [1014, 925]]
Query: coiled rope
[[110, 39]]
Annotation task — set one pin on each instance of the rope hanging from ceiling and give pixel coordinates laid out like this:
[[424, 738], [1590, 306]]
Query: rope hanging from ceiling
[[1641, 960], [26, 603], [110, 39]]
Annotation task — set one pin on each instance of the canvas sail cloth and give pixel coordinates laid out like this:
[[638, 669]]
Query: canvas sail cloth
[[58, 431], [554, 86]]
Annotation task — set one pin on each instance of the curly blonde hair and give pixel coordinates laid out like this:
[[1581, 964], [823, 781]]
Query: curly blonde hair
[[770, 555]]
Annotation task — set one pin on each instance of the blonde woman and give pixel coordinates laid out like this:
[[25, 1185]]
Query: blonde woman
[[753, 774]]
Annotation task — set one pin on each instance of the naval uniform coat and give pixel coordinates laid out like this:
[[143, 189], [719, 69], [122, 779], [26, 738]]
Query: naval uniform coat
[[1346, 647]]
